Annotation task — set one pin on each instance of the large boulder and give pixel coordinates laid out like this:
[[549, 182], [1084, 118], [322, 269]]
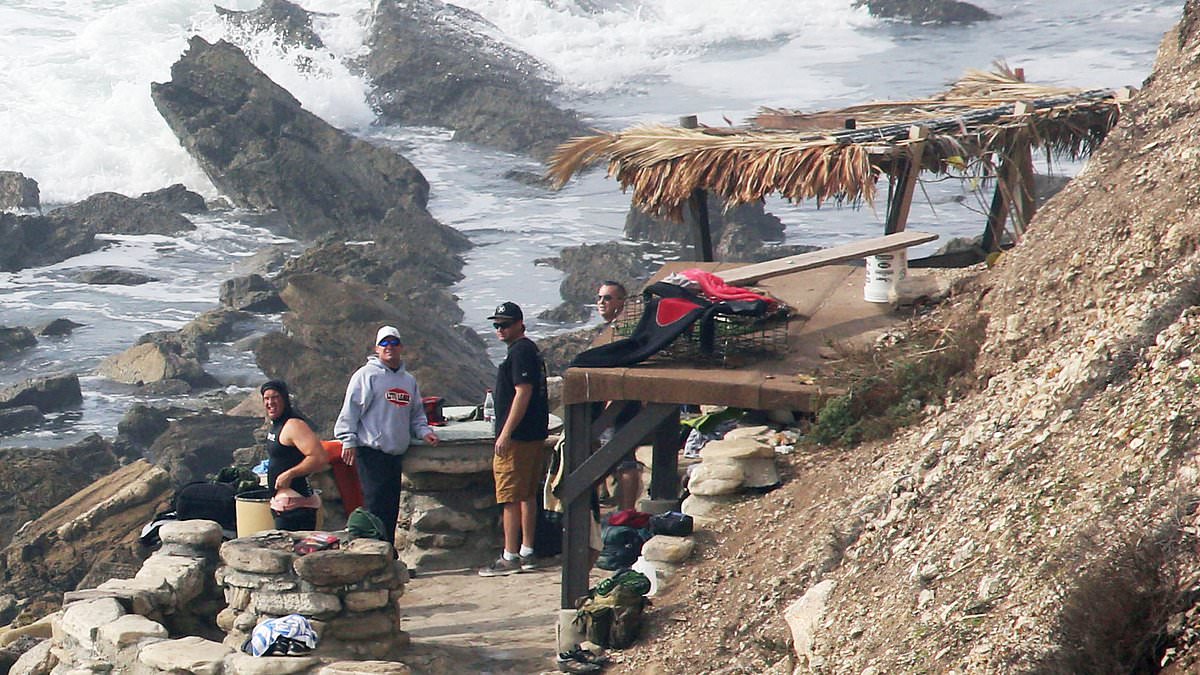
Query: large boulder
[[640, 226], [292, 23], [53, 392], [265, 152], [34, 241], [926, 11], [19, 418], [18, 192], [154, 362], [330, 326], [437, 64], [16, 338], [83, 524], [36, 479], [112, 276], [202, 444], [251, 293], [117, 214]]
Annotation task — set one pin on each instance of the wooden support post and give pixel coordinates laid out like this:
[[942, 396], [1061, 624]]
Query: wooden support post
[[698, 207], [664, 467], [577, 517], [993, 230], [1021, 183], [910, 171]]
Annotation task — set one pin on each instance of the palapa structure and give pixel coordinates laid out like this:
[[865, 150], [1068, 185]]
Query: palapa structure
[[986, 125]]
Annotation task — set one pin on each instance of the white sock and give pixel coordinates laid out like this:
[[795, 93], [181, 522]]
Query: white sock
[[526, 551], [510, 556]]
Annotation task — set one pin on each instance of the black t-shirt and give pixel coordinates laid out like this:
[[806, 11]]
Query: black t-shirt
[[523, 365]]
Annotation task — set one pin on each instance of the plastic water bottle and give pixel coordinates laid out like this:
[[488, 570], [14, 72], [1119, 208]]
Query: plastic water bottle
[[489, 407]]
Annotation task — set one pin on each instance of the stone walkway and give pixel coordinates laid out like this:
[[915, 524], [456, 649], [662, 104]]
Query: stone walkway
[[461, 622]]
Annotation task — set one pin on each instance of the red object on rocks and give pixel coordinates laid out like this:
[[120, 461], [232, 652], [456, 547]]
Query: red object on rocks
[[344, 476]]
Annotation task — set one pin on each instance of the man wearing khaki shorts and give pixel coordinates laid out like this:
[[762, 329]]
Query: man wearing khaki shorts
[[521, 423]]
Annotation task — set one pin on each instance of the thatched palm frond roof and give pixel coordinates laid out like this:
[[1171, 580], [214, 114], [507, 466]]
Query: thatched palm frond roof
[[815, 156]]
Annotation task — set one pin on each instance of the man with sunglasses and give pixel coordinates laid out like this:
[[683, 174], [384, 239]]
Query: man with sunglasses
[[610, 301], [381, 413], [522, 425]]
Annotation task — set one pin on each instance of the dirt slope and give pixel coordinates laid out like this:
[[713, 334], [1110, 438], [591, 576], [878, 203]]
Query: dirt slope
[[1041, 523]]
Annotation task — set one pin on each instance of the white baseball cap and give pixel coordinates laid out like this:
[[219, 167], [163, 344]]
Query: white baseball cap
[[387, 331]]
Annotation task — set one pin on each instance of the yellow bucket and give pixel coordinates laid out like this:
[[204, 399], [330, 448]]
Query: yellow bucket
[[254, 515], [254, 512]]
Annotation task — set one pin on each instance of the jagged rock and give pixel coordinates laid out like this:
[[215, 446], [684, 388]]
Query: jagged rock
[[290, 22], [36, 480], [128, 631], [251, 293], [80, 623], [587, 265], [90, 524], [15, 338], [39, 660], [115, 213], [20, 417], [55, 392], [331, 325], [59, 327], [529, 178], [264, 151], [927, 11], [337, 568], [175, 198], [35, 241], [435, 64], [12, 651], [805, 614], [558, 350], [202, 444], [152, 362], [640, 226], [216, 325], [112, 276], [18, 192], [186, 343], [142, 424]]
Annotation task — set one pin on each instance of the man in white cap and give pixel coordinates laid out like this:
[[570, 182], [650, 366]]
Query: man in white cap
[[381, 413]]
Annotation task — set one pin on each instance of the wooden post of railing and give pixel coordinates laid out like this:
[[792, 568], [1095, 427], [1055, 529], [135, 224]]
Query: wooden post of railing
[[698, 207]]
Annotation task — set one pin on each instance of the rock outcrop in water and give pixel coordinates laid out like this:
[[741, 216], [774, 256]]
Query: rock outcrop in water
[[438, 64], [927, 11], [265, 152]]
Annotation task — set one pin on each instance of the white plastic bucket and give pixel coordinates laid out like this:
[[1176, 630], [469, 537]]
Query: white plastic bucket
[[883, 271]]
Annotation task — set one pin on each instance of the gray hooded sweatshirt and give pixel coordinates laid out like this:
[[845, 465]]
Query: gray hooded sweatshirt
[[382, 409]]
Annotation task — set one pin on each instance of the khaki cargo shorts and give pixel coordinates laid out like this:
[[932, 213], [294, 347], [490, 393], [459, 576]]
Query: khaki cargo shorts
[[519, 475]]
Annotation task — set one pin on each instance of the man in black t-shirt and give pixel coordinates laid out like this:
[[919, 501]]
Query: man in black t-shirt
[[522, 425]]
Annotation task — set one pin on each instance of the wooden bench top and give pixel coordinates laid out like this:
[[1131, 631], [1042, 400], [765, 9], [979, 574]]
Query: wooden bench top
[[862, 248]]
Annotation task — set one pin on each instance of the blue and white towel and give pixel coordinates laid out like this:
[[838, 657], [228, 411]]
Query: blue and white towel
[[287, 635]]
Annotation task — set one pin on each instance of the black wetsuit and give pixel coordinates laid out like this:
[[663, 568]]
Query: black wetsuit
[[283, 457]]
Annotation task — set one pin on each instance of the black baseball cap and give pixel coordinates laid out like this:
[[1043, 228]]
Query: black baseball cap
[[509, 311]]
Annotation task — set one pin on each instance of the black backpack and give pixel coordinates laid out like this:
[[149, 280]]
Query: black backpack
[[202, 500]]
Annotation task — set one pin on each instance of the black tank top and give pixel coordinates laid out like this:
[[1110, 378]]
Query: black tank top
[[284, 457]]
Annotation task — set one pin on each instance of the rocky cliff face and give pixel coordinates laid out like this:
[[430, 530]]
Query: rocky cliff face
[[1045, 522]]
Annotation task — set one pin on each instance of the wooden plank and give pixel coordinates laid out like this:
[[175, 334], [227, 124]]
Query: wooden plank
[[577, 517], [749, 274]]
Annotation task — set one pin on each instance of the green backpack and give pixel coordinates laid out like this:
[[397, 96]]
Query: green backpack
[[611, 613], [363, 523]]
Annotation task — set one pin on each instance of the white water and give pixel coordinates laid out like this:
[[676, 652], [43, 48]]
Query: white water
[[76, 115]]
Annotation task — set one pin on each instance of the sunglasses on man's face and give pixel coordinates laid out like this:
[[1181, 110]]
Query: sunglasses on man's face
[[607, 298], [389, 342], [501, 326]]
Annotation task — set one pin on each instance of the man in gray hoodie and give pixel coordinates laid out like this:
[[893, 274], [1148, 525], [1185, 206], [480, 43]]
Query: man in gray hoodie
[[381, 413]]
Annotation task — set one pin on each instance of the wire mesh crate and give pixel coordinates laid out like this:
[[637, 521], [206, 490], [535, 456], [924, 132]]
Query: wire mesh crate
[[736, 339]]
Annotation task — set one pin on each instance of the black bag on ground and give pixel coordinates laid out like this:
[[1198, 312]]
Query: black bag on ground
[[202, 500], [548, 537], [671, 523]]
